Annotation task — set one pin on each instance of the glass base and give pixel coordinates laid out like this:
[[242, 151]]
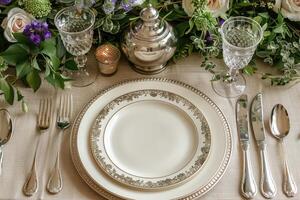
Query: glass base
[[230, 89], [85, 76]]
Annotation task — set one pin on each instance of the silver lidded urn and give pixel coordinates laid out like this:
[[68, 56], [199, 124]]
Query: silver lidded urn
[[149, 43]]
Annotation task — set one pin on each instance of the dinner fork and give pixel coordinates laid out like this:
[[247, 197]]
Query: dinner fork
[[55, 183], [43, 122]]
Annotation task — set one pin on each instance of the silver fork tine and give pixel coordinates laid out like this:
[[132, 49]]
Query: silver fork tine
[[68, 106], [41, 112], [48, 116], [71, 106], [65, 106], [60, 106], [40, 116]]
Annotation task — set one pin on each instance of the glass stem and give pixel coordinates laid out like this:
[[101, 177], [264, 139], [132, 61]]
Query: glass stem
[[233, 72], [81, 61]]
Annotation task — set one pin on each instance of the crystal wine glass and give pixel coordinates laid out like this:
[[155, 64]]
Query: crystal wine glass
[[240, 37], [76, 30]]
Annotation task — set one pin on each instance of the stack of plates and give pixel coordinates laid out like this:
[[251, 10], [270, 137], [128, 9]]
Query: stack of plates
[[151, 139]]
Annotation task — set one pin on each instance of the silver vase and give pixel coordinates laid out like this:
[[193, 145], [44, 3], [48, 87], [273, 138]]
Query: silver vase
[[149, 43]]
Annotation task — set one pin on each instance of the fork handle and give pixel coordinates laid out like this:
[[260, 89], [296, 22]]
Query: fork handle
[[55, 183]]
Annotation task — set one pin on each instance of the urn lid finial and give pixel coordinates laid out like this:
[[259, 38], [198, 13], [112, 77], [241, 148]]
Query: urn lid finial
[[149, 14]]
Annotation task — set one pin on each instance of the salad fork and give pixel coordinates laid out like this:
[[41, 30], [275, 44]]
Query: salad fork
[[43, 122], [55, 183]]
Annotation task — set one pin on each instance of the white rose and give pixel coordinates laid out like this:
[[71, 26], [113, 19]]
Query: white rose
[[289, 9], [15, 22], [188, 7], [138, 3], [217, 7]]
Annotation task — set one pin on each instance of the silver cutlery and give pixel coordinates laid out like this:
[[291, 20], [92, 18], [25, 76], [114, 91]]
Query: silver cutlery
[[6, 129], [55, 183], [267, 185], [43, 122], [248, 184], [280, 127]]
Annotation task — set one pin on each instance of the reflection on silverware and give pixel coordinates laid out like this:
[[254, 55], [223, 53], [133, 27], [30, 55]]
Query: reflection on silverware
[[55, 183], [43, 122], [267, 184], [6, 129], [248, 185], [280, 127]]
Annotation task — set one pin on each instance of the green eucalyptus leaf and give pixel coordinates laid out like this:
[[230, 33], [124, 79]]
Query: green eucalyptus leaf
[[19, 95], [47, 71], [21, 38], [249, 70], [8, 91], [57, 80], [278, 29], [182, 28], [99, 23], [23, 68], [60, 49], [258, 19], [15, 53], [192, 24], [118, 16], [35, 64], [264, 27], [48, 47], [108, 25], [34, 80], [116, 28], [264, 15], [267, 33], [71, 65]]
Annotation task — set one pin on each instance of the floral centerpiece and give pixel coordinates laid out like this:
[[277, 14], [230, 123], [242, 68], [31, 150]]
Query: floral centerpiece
[[31, 47]]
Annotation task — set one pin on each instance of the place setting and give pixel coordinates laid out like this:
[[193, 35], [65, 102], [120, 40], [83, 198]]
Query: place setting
[[135, 124]]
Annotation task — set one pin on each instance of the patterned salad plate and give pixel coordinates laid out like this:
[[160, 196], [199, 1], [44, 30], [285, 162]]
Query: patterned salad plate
[[151, 139]]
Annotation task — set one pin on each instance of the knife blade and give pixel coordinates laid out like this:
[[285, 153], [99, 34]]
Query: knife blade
[[267, 184], [257, 118], [248, 185]]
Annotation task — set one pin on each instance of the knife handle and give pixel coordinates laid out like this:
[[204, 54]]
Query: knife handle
[[267, 184], [248, 185]]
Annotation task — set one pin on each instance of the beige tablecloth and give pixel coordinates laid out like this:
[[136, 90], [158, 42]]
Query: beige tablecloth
[[18, 153]]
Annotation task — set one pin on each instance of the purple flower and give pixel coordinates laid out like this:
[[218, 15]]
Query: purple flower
[[37, 32], [127, 4], [221, 21], [47, 35], [5, 2], [109, 6], [35, 38], [208, 38]]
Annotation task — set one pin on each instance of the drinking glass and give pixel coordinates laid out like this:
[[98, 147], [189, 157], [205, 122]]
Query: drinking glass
[[240, 37], [76, 30]]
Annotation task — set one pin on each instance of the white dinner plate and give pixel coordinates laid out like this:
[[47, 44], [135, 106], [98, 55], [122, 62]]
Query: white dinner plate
[[150, 139], [209, 175]]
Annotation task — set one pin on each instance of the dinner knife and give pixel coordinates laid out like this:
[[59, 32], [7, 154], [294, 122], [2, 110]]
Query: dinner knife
[[267, 184], [248, 185]]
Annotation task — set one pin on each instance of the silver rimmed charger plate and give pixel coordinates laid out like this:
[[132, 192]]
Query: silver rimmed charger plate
[[215, 165], [150, 139]]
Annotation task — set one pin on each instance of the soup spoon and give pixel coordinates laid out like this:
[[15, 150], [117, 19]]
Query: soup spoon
[[6, 127], [280, 127]]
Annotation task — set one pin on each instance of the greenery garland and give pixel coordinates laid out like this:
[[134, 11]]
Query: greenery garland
[[196, 33]]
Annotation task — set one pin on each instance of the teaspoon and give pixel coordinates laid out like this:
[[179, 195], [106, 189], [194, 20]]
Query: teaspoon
[[280, 127], [6, 129]]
